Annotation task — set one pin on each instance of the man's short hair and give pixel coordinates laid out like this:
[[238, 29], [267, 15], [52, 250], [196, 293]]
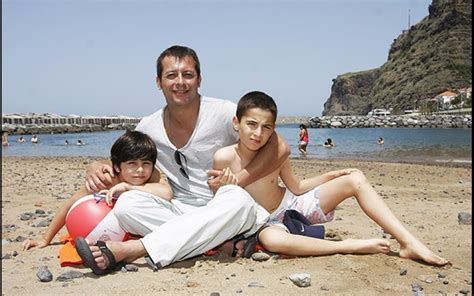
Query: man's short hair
[[133, 145], [256, 99], [179, 52]]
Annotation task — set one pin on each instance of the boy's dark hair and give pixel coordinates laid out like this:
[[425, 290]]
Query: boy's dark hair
[[302, 126], [177, 52], [256, 99], [133, 145]]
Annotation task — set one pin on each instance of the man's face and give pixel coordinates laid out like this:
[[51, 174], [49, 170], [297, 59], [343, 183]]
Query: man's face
[[255, 128], [179, 80]]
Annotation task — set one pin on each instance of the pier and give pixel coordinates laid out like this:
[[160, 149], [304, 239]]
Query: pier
[[36, 123]]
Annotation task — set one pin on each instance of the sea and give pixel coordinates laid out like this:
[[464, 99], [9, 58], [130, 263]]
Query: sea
[[412, 145]]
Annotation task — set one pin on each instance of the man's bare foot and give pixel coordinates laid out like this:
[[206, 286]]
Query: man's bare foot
[[367, 246], [417, 250], [228, 247], [127, 252]]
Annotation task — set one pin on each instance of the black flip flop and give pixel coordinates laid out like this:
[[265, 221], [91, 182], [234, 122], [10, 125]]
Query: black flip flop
[[85, 253], [249, 247]]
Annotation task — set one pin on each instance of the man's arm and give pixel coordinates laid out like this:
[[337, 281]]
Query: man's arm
[[269, 158], [100, 174]]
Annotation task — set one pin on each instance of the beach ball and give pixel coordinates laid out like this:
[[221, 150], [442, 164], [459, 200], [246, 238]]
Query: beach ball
[[91, 218]]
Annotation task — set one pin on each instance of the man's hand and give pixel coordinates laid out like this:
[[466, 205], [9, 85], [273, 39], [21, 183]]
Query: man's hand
[[99, 176], [214, 179]]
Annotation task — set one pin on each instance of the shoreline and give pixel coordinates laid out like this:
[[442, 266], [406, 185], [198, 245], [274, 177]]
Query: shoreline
[[441, 163]]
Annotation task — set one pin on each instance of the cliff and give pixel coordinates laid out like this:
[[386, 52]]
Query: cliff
[[429, 58]]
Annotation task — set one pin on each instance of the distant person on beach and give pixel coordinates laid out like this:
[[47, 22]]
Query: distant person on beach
[[66, 142], [5, 139], [133, 156], [380, 141], [304, 139], [80, 143], [329, 143], [21, 140], [34, 139], [316, 198], [187, 132]]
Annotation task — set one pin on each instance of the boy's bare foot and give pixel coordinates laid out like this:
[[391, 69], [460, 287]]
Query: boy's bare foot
[[417, 250], [367, 246]]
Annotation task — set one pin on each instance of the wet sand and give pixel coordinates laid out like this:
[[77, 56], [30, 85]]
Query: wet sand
[[426, 198]]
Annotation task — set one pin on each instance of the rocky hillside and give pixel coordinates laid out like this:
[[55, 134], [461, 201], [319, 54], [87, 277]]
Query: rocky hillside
[[431, 57]]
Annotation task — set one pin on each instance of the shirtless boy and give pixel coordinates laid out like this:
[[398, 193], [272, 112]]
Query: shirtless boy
[[315, 198]]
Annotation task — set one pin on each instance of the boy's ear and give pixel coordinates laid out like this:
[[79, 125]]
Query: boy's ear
[[117, 168], [235, 123]]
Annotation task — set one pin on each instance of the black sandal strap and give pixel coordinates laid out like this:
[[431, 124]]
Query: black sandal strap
[[103, 248]]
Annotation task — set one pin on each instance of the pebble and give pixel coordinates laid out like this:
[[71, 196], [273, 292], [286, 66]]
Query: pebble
[[238, 291], [44, 275], [43, 224], [255, 285], [215, 294], [324, 288], [20, 238], [6, 256], [40, 212], [5, 241], [429, 280], [69, 275], [416, 287], [403, 272], [464, 291], [260, 256], [9, 227], [130, 267], [301, 279], [26, 216], [464, 218]]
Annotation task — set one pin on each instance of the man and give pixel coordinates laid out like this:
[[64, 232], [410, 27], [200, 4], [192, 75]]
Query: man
[[187, 132]]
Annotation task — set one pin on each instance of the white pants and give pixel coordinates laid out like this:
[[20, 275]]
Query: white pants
[[173, 231]]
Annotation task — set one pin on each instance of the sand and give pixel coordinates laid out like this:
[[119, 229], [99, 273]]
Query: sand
[[426, 198]]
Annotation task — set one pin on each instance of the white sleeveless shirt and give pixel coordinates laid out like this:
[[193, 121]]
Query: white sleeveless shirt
[[213, 131]]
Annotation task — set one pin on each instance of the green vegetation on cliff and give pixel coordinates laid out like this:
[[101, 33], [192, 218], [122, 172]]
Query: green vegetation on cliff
[[431, 57]]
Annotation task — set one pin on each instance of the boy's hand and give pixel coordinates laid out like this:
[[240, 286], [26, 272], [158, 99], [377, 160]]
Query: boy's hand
[[346, 172], [228, 177], [115, 191], [28, 244], [98, 176], [218, 178]]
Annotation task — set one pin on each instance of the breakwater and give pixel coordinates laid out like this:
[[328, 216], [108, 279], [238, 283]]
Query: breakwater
[[47, 123], [424, 121]]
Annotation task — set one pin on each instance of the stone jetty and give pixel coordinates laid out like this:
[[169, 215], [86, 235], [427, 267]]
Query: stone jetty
[[38, 123], [424, 121]]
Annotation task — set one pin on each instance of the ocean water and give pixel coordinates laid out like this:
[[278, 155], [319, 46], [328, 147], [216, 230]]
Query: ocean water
[[418, 145]]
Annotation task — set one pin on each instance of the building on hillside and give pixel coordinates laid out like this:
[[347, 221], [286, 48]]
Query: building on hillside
[[444, 99]]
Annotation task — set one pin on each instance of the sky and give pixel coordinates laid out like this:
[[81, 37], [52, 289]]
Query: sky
[[98, 57]]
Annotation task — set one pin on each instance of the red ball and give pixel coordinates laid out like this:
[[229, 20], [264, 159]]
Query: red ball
[[94, 220]]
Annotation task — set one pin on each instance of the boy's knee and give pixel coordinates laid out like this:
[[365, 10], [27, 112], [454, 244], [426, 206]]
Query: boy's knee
[[272, 239], [357, 178]]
